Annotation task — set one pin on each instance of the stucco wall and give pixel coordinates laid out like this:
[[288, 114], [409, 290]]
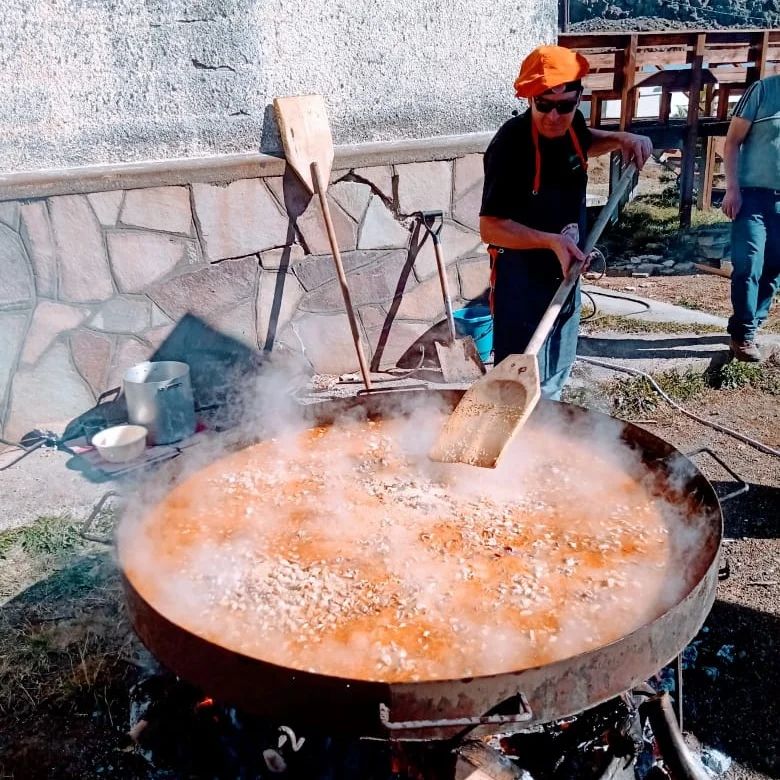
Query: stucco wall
[[93, 81]]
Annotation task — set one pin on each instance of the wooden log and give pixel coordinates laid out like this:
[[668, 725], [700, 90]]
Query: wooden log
[[692, 133], [476, 761]]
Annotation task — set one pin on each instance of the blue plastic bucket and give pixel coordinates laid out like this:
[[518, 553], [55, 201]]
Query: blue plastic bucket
[[477, 322]]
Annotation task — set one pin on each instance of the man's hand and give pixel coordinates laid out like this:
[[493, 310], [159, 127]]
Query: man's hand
[[566, 251], [732, 202], [635, 148]]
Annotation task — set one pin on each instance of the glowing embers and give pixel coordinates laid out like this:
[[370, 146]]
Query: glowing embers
[[343, 550]]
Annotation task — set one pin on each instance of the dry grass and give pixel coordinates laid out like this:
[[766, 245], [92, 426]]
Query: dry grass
[[612, 323]]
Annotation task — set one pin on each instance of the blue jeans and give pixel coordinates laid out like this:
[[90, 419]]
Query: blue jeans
[[755, 255]]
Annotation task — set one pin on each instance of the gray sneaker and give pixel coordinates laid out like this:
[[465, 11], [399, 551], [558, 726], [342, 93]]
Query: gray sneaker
[[746, 351]]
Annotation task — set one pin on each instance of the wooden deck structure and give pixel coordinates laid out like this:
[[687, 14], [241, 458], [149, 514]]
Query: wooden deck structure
[[710, 67]]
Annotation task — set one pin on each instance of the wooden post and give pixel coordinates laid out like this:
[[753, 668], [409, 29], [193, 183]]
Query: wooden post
[[563, 15], [626, 85], [692, 132], [665, 105], [709, 97], [704, 201], [595, 110], [758, 53]]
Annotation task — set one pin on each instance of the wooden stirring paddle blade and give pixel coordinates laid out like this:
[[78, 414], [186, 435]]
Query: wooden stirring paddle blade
[[490, 413]]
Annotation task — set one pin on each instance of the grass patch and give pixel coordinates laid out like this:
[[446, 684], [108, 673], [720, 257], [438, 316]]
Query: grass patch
[[48, 535], [635, 397], [622, 324]]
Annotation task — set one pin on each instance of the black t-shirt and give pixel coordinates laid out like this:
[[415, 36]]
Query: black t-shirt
[[510, 163]]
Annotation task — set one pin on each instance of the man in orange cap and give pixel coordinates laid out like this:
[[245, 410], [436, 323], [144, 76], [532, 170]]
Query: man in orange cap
[[533, 207]]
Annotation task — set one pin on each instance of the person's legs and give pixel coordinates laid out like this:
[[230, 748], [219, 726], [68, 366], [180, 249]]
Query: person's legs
[[770, 275], [748, 240], [560, 350]]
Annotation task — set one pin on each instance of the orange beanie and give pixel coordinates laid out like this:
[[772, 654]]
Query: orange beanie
[[548, 67]]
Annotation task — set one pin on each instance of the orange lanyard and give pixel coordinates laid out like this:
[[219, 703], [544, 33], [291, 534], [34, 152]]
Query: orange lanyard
[[538, 171]]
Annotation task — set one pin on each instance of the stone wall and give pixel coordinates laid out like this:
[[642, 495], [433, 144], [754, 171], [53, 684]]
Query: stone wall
[[87, 82], [704, 244], [93, 283]]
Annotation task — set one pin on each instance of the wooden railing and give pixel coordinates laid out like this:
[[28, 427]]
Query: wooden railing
[[709, 67]]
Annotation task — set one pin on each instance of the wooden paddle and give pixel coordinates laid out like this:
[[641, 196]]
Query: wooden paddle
[[495, 407], [308, 147]]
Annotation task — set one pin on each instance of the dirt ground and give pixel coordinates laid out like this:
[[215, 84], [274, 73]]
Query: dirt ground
[[706, 292]]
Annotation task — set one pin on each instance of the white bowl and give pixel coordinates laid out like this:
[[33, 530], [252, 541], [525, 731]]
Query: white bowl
[[120, 443]]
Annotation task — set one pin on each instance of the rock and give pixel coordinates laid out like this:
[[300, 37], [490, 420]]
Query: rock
[[352, 196], [238, 322], [129, 352], [106, 206], [16, 278], [377, 283], [123, 315], [158, 208], [9, 214], [467, 198], [141, 259], [314, 271], [48, 322], [424, 186], [238, 219], [425, 301], [91, 353], [37, 231], [456, 242], [714, 760], [286, 256], [474, 278], [387, 348], [380, 229], [380, 177], [209, 290], [273, 259], [47, 396], [646, 268], [668, 263], [373, 317], [278, 296], [639, 275], [685, 267], [327, 342], [83, 267], [13, 326], [315, 235], [629, 288]]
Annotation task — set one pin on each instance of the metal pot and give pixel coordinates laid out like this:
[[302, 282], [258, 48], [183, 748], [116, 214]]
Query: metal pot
[[159, 397]]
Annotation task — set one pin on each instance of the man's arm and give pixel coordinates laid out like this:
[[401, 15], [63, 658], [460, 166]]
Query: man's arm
[[636, 148], [514, 235], [738, 130]]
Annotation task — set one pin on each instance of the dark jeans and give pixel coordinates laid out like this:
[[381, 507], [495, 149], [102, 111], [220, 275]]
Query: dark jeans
[[755, 255]]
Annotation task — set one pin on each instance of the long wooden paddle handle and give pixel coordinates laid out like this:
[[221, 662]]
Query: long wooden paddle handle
[[445, 285], [334, 246], [567, 285]]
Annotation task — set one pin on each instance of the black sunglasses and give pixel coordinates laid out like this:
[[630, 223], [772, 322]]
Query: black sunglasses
[[561, 106]]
